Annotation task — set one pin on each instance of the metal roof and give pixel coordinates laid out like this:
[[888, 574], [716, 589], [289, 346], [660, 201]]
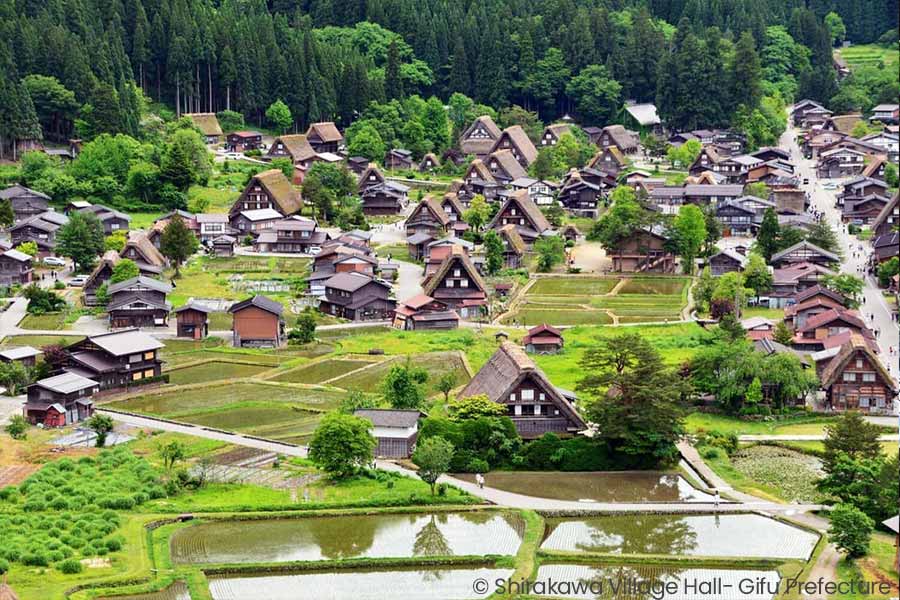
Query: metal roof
[[129, 341], [19, 353], [67, 383]]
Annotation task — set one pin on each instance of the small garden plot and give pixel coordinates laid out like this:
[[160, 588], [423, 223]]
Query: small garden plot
[[175, 402], [793, 475], [435, 363], [55, 320], [573, 286], [214, 371], [561, 301], [321, 371]]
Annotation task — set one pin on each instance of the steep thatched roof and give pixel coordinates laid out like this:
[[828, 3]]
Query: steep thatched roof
[[512, 236], [278, 186], [856, 344], [508, 366], [527, 207], [326, 131], [296, 145], [207, 123], [520, 140], [457, 256]]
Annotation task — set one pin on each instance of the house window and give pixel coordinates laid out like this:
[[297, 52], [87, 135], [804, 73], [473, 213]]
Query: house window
[[137, 376], [517, 410], [449, 283], [149, 355], [537, 409], [859, 363], [134, 358], [542, 396], [864, 402], [868, 377], [456, 272], [527, 394], [464, 283], [849, 377], [148, 373]]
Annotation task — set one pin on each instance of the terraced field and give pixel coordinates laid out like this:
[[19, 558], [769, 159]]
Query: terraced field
[[177, 403], [321, 371], [435, 363], [870, 55], [599, 301], [214, 371]]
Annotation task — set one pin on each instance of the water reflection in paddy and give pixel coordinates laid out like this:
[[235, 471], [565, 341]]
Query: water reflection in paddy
[[685, 582], [744, 535], [322, 538], [606, 486], [423, 584]]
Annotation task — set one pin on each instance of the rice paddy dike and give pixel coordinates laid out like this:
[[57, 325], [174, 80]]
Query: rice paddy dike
[[440, 552]]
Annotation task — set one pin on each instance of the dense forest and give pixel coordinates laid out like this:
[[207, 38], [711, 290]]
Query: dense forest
[[84, 67]]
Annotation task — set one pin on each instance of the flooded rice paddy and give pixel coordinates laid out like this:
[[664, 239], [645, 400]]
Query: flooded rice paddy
[[742, 535], [356, 536], [417, 584], [630, 486], [684, 582]]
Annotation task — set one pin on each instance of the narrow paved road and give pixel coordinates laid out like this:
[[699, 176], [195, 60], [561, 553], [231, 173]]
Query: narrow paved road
[[874, 308]]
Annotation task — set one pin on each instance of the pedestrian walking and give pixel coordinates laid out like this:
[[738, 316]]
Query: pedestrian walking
[[479, 479], [717, 499]]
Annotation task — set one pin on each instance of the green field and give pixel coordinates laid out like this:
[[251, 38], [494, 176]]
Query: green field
[[206, 277], [567, 301], [263, 419], [870, 55], [214, 371], [37, 341], [47, 321], [176, 403], [435, 363], [573, 286], [321, 371]]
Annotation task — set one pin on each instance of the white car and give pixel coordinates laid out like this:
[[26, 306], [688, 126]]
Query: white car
[[830, 185], [314, 250], [234, 155], [54, 261], [78, 281]]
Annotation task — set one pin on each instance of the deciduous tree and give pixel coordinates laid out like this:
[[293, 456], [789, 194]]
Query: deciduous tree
[[342, 444]]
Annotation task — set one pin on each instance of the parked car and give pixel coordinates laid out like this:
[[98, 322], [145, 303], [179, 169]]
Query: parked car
[[54, 261], [314, 250], [78, 281]]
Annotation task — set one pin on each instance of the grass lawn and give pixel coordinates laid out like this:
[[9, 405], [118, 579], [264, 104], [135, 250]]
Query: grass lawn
[[55, 320], [213, 371], [143, 220], [876, 566], [396, 252], [802, 425], [776, 314]]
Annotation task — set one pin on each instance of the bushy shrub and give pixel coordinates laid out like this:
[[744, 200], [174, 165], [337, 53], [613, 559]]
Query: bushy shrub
[[4, 566], [35, 559], [70, 567], [716, 439]]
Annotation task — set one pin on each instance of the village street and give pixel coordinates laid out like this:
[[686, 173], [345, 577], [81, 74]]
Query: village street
[[874, 308]]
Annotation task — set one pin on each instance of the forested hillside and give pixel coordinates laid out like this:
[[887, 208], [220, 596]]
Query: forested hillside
[[83, 67]]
